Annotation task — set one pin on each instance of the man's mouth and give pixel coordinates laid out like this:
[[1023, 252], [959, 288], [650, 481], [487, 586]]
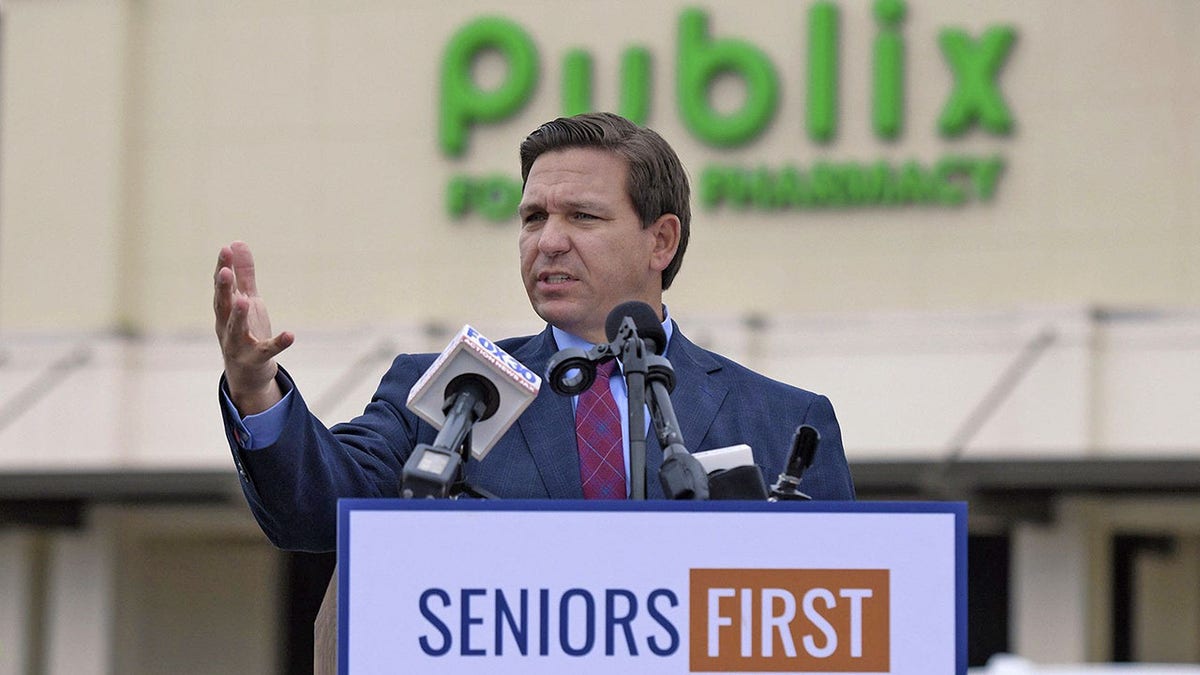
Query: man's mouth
[[555, 278]]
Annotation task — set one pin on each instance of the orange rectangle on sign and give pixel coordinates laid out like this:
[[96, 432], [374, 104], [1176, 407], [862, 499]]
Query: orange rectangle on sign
[[789, 620]]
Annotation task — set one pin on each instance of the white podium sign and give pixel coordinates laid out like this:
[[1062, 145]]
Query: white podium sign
[[579, 587]]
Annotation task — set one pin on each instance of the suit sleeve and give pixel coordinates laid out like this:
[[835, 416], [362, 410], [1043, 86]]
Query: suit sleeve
[[292, 485]]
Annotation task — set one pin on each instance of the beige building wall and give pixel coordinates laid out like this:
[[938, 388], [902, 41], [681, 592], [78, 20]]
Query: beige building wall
[[63, 165], [137, 137]]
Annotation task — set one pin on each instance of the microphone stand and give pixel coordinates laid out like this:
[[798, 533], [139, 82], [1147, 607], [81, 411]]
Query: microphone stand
[[633, 363], [649, 380]]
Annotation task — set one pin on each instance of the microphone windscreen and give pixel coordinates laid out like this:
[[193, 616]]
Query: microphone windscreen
[[648, 325], [804, 448], [741, 482], [472, 353]]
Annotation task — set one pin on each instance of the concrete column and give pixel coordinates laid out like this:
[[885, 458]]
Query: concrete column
[[1050, 578], [80, 603], [16, 584]]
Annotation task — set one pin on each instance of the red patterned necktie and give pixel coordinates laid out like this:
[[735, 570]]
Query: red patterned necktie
[[598, 434]]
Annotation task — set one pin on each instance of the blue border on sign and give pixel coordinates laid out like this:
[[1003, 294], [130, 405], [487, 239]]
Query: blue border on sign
[[346, 506], [960, 583]]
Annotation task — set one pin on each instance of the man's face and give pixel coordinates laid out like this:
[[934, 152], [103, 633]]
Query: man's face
[[583, 247]]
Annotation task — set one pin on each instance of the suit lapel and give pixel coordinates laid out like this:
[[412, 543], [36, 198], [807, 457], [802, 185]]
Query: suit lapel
[[548, 425]]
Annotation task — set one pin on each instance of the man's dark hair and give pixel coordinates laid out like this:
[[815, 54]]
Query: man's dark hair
[[656, 183]]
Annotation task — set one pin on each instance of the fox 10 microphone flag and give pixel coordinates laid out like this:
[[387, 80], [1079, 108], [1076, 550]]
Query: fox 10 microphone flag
[[471, 352]]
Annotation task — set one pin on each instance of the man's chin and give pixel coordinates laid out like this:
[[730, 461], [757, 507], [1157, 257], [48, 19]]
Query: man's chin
[[563, 315], [556, 314]]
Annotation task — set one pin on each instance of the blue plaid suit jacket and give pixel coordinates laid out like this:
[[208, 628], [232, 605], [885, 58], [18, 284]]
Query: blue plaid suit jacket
[[293, 486]]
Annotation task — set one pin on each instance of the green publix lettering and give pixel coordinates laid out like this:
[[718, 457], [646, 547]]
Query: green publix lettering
[[975, 100]]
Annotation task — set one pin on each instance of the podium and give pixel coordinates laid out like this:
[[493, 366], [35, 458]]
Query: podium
[[646, 587]]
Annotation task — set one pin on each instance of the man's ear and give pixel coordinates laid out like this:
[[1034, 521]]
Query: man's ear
[[665, 233]]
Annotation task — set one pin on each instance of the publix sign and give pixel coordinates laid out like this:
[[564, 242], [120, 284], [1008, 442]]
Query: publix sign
[[974, 100]]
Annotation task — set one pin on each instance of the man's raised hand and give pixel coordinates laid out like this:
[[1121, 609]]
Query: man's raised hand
[[244, 332]]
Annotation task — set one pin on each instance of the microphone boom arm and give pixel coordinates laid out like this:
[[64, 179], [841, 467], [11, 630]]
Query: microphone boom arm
[[682, 476]]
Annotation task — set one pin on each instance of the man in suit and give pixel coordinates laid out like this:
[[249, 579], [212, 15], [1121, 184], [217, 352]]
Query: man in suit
[[605, 219]]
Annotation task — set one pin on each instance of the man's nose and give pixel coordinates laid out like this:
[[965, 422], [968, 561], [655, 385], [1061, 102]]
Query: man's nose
[[554, 238]]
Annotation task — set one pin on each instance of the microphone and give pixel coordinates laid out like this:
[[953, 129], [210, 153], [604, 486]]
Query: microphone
[[804, 448], [631, 323], [649, 328], [472, 393], [471, 352]]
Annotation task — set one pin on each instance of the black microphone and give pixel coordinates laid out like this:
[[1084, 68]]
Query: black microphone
[[681, 475], [645, 320], [470, 398], [432, 470], [804, 448]]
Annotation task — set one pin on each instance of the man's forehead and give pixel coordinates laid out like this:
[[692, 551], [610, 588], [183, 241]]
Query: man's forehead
[[580, 161], [569, 178]]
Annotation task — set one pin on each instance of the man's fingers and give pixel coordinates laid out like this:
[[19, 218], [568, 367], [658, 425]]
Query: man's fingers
[[243, 329], [223, 258], [235, 333], [242, 333], [262, 351], [243, 268], [278, 343], [223, 294], [220, 284], [242, 325]]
